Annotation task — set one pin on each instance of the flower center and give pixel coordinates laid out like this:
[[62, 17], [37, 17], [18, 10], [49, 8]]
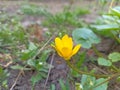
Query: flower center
[[66, 52]]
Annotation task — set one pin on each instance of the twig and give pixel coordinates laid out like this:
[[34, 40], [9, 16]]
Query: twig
[[16, 80], [49, 70], [6, 65], [111, 4], [101, 70], [117, 88], [44, 45]]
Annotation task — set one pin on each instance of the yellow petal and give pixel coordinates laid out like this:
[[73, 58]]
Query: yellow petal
[[66, 53], [58, 43], [70, 43], [59, 53], [65, 37], [76, 48], [67, 41]]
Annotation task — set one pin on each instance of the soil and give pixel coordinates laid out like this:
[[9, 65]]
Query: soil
[[60, 70]]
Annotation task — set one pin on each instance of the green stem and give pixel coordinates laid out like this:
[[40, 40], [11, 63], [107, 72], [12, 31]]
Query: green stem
[[95, 75], [115, 68], [109, 78], [100, 55], [116, 38], [97, 52], [33, 86], [87, 73]]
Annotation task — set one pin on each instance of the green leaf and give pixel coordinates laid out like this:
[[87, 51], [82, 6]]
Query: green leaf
[[110, 18], [36, 78], [106, 27], [28, 54], [85, 36], [31, 62], [31, 9], [104, 62], [87, 82], [32, 46], [44, 55], [102, 86], [115, 56], [19, 67], [118, 79], [80, 61], [78, 86], [63, 87], [52, 87], [116, 11], [1, 70], [3, 77]]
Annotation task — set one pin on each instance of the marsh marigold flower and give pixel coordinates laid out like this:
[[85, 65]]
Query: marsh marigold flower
[[64, 47]]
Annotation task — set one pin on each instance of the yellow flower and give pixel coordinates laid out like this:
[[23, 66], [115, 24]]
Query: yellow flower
[[64, 47]]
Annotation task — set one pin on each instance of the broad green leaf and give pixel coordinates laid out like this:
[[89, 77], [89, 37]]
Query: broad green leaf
[[109, 17], [85, 36], [116, 11], [102, 86], [115, 56], [106, 27], [104, 62], [87, 82]]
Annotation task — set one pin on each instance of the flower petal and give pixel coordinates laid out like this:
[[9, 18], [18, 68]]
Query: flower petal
[[58, 43], [76, 48], [67, 41], [59, 53], [66, 53], [70, 43], [65, 36]]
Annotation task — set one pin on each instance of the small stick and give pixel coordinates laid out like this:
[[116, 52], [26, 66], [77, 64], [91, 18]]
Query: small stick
[[42, 47], [16, 80], [49, 70], [6, 65], [100, 69]]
